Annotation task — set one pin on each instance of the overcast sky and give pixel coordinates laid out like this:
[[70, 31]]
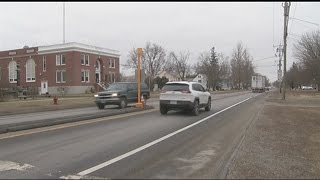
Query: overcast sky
[[194, 27]]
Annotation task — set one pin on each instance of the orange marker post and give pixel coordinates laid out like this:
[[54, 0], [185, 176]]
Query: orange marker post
[[139, 54]]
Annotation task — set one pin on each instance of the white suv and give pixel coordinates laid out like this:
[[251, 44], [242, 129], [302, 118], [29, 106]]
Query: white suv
[[184, 95]]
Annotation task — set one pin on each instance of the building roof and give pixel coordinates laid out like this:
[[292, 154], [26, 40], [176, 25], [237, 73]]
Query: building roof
[[74, 46]]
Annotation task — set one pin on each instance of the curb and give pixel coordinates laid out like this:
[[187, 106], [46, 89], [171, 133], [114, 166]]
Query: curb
[[55, 121]]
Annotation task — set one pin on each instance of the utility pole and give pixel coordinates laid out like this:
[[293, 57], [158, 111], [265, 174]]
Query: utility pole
[[286, 7], [64, 23], [279, 51]]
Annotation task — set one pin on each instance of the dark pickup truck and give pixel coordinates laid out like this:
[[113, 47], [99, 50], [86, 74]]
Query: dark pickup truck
[[121, 93]]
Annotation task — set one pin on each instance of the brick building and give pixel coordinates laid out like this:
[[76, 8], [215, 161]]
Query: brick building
[[69, 68]]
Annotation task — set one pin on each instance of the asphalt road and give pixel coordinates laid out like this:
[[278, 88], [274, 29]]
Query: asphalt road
[[120, 147], [19, 118]]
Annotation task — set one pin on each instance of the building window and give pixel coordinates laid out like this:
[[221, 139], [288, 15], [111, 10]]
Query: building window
[[13, 72], [87, 60], [44, 63], [112, 63], [199, 81], [31, 70], [84, 59], [112, 77], [60, 76], [85, 76], [60, 59]]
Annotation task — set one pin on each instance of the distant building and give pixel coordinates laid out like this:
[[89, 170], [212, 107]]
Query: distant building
[[168, 75], [202, 79], [69, 68], [226, 84]]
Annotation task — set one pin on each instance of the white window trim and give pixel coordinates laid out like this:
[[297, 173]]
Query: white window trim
[[60, 61], [88, 60], [60, 71], [9, 71], [114, 75], [84, 59], [44, 63], [114, 63], [86, 74], [33, 78]]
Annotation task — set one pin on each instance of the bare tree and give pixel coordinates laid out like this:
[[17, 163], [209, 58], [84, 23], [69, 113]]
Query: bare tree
[[209, 65], [298, 76], [204, 67], [248, 69], [241, 66], [224, 69], [178, 64], [307, 51], [153, 59]]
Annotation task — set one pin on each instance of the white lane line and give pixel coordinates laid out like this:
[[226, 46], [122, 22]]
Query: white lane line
[[116, 159]]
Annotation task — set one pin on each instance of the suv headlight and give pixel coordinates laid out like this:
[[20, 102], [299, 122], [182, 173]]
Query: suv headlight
[[114, 94], [96, 95]]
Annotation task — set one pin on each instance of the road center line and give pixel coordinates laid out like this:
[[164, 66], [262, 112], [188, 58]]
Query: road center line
[[116, 159]]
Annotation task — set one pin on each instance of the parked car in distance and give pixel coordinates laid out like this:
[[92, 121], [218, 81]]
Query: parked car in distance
[[121, 93], [184, 95], [306, 88]]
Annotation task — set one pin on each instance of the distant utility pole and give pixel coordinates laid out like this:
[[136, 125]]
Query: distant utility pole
[[64, 23], [286, 7], [279, 51]]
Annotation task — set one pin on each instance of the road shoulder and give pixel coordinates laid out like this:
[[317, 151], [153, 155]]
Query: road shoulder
[[283, 142]]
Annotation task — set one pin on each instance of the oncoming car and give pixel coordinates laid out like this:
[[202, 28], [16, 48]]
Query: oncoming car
[[121, 93]]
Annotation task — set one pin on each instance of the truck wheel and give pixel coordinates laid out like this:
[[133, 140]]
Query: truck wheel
[[123, 103], [195, 110], [145, 99], [208, 107], [163, 109], [100, 106]]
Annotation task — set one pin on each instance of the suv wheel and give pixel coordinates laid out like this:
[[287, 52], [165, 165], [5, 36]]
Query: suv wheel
[[101, 106], [123, 103], [195, 110], [208, 107], [163, 109]]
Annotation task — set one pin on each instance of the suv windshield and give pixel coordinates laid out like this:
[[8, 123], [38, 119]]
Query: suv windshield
[[176, 87], [117, 86]]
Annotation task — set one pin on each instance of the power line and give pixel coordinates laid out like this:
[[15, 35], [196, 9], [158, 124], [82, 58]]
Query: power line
[[264, 58], [290, 37], [273, 24], [267, 65], [294, 14], [292, 34], [304, 21]]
